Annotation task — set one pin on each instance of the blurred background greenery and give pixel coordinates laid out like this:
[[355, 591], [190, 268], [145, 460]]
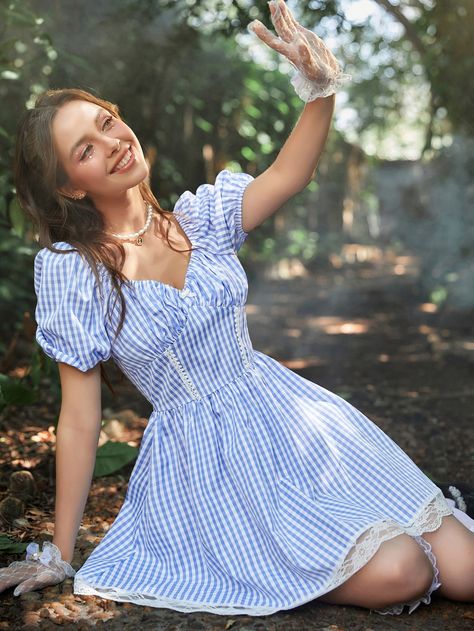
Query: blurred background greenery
[[203, 94]]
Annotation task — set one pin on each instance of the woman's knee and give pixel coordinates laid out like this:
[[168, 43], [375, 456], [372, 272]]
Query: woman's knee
[[399, 571], [412, 572]]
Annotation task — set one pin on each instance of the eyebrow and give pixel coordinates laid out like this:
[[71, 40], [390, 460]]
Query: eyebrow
[[81, 140]]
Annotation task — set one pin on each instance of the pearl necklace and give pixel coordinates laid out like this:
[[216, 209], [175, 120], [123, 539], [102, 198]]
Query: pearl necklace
[[137, 235]]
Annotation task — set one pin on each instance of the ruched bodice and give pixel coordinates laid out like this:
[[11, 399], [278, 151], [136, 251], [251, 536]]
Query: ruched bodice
[[186, 343], [179, 375]]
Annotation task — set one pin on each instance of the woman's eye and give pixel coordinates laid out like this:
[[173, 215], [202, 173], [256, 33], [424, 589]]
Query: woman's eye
[[86, 151], [109, 119]]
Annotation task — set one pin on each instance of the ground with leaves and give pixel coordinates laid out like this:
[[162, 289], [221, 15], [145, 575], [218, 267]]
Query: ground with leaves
[[359, 329]]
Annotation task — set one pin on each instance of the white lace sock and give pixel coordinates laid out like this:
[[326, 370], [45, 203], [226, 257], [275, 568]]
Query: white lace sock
[[398, 609]]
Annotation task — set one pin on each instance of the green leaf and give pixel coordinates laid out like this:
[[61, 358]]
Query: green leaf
[[248, 153], [15, 393], [252, 85], [253, 111], [439, 295], [112, 456], [203, 124], [7, 545]]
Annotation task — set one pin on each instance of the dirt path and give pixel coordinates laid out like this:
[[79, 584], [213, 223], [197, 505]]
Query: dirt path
[[360, 331]]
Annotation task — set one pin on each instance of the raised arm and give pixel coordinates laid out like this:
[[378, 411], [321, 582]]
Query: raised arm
[[294, 166], [316, 78]]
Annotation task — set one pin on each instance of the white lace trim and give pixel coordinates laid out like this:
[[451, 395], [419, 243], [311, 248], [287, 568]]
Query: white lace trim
[[191, 388], [413, 604], [238, 323], [428, 519], [309, 90]]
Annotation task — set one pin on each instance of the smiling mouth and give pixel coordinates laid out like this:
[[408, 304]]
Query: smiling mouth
[[125, 161]]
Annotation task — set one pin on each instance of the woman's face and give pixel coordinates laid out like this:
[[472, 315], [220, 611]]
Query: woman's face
[[90, 143]]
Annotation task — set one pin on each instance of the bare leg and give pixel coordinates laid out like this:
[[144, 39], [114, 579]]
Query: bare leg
[[398, 572], [453, 546]]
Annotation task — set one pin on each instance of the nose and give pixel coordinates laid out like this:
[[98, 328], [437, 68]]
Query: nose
[[114, 145]]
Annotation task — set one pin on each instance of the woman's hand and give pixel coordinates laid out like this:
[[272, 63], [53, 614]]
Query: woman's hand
[[319, 73], [38, 570]]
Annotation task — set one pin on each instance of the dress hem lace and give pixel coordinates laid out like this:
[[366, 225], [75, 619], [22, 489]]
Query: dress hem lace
[[367, 543]]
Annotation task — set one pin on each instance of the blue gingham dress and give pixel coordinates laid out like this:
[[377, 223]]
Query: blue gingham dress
[[254, 489]]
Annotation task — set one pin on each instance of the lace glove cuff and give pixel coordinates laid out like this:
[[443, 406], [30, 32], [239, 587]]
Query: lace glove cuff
[[309, 90], [38, 570], [49, 556]]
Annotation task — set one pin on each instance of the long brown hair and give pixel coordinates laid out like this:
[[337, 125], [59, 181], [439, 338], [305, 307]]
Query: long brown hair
[[38, 175]]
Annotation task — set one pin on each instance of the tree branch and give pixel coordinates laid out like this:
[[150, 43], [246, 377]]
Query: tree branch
[[410, 30]]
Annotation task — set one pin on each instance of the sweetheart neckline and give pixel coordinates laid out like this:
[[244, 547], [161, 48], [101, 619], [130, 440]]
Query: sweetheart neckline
[[186, 275], [162, 284]]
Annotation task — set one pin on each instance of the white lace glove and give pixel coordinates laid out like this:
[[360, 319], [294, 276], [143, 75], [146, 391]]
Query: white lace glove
[[37, 571], [317, 72]]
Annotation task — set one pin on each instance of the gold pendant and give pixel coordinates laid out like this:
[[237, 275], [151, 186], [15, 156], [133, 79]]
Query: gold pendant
[[139, 241]]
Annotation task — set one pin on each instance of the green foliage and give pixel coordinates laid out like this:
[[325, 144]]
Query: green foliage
[[438, 295], [26, 390], [8, 546], [15, 392], [302, 244], [112, 456], [26, 58], [16, 287], [448, 33]]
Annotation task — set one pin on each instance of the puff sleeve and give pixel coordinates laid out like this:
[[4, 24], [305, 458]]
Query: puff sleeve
[[69, 311], [212, 218]]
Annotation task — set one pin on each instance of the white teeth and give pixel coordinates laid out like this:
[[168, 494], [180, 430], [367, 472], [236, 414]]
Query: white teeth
[[125, 160]]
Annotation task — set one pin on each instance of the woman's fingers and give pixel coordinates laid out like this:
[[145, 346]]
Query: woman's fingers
[[267, 36], [279, 17], [7, 582], [290, 20], [303, 48], [44, 578], [13, 574]]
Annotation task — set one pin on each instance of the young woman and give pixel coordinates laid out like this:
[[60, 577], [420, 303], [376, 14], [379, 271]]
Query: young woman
[[255, 490]]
